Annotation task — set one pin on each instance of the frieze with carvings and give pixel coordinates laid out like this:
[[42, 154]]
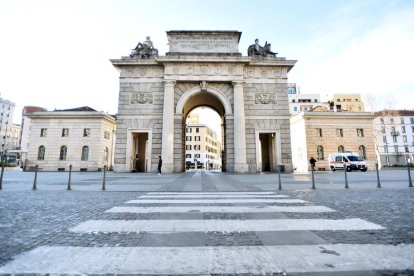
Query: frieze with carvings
[[141, 98], [264, 72], [264, 98], [223, 69], [141, 72]]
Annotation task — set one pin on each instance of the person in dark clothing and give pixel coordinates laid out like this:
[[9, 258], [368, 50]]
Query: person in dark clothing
[[312, 162], [159, 165]]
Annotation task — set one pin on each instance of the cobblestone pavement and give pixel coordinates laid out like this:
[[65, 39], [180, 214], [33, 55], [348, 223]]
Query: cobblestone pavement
[[32, 219]]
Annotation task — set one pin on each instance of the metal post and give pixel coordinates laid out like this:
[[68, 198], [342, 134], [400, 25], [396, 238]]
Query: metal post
[[280, 181], [378, 178], [313, 179], [346, 177], [35, 178], [1, 176], [70, 177], [104, 177], [410, 183]]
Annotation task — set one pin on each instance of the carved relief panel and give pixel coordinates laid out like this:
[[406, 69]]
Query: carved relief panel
[[141, 98], [264, 98]]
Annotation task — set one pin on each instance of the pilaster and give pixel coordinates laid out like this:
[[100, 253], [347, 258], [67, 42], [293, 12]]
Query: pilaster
[[167, 151], [240, 164]]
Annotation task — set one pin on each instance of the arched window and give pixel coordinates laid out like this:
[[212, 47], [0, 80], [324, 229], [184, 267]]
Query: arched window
[[320, 153], [41, 153], [341, 149], [362, 151], [85, 153], [106, 154], [63, 152]]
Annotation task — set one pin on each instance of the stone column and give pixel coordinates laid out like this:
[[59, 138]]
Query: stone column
[[167, 152], [240, 164]]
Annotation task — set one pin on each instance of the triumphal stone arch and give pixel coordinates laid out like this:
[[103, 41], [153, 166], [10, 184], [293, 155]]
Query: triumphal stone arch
[[202, 68]]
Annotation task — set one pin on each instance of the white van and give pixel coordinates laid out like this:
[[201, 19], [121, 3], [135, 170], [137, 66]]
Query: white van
[[352, 161]]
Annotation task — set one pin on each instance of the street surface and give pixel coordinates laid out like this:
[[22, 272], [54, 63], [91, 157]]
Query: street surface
[[207, 223]]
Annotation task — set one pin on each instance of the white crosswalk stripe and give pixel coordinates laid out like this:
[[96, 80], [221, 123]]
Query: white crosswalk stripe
[[187, 259], [211, 260], [221, 209], [213, 196], [222, 225], [221, 200]]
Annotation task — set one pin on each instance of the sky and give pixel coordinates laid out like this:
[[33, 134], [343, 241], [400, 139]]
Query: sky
[[56, 53]]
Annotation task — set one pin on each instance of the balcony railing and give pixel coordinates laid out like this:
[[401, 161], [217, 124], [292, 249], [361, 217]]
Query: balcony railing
[[395, 133]]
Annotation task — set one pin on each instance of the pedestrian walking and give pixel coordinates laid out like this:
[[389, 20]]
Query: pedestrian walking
[[159, 165], [312, 162]]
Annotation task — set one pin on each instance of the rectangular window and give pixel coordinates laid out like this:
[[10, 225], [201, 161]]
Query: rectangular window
[[197, 155], [197, 147], [319, 132], [197, 138], [360, 132], [403, 129], [391, 120], [394, 139], [188, 138], [384, 139], [404, 139], [65, 132], [386, 149], [339, 132], [188, 129], [86, 132], [396, 149], [412, 120], [188, 156], [188, 147], [406, 149], [43, 132], [197, 130], [107, 135], [402, 121]]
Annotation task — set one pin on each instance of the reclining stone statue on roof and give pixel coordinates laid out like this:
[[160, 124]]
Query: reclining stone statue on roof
[[257, 50], [145, 49]]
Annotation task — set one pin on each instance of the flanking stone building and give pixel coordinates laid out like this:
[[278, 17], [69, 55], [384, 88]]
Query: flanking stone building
[[203, 68], [81, 137]]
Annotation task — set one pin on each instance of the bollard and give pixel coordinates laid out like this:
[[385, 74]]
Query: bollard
[[346, 177], [410, 183], [70, 176], [35, 178], [104, 177], [280, 181], [313, 179], [1, 176], [378, 178]]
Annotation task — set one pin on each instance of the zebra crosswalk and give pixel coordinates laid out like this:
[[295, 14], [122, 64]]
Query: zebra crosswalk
[[249, 210]]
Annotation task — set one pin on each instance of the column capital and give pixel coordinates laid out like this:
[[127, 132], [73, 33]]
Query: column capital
[[169, 82], [237, 83]]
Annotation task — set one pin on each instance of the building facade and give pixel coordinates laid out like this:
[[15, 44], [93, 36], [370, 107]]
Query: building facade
[[202, 148], [6, 122], [25, 129], [203, 68], [348, 102], [303, 102], [317, 134], [58, 139], [394, 136]]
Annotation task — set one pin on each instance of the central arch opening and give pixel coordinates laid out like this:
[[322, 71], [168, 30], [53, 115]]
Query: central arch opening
[[203, 140], [204, 132]]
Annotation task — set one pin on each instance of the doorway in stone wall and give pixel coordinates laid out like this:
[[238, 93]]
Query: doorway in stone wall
[[267, 152], [140, 155]]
